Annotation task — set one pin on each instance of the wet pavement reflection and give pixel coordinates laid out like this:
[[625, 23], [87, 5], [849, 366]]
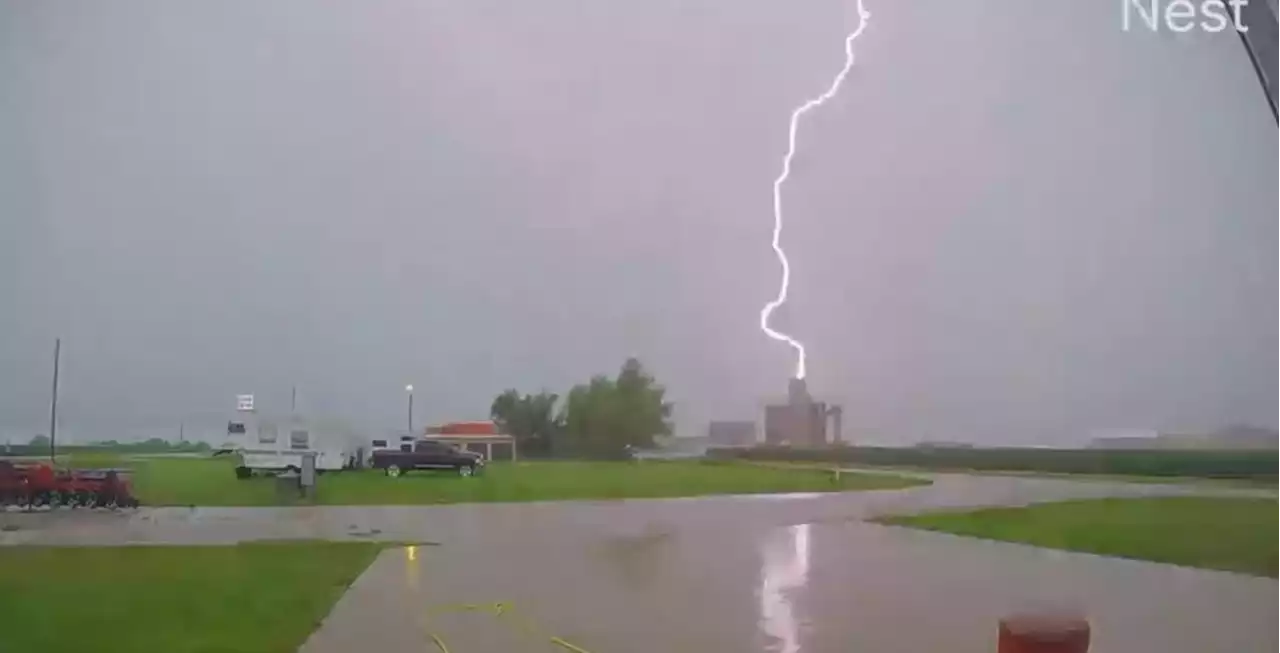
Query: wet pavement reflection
[[783, 574]]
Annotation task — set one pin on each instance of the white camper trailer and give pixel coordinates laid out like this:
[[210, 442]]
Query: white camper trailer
[[278, 445]]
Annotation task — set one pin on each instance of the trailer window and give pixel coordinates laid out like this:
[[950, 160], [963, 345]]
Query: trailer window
[[299, 440], [235, 428], [267, 433]]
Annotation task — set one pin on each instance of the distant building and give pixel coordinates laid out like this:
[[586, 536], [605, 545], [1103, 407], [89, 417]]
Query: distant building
[[669, 447], [803, 425], [801, 422], [1122, 442], [732, 434], [1233, 438], [1243, 436], [943, 444], [1124, 439]]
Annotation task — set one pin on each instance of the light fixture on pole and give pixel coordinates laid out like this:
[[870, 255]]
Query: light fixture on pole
[[409, 390]]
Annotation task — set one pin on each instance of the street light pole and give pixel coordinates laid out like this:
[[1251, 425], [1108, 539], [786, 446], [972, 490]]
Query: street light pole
[[53, 404], [409, 389]]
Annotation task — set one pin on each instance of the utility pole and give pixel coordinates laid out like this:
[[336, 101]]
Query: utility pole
[[293, 400], [53, 405]]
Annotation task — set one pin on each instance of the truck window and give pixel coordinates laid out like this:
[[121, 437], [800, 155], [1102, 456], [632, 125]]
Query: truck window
[[235, 428], [380, 443], [426, 447], [299, 440], [267, 433]]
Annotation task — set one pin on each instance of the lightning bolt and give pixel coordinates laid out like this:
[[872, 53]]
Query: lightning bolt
[[800, 111]]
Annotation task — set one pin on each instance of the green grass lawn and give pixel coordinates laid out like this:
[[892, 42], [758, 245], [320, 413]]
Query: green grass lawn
[[1174, 464], [210, 482], [251, 598], [1249, 483], [1214, 533]]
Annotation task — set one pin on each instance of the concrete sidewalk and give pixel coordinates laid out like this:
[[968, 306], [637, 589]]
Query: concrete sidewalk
[[825, 588]]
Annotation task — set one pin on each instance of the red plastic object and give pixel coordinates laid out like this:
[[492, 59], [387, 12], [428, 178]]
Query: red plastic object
[[1043, 633]]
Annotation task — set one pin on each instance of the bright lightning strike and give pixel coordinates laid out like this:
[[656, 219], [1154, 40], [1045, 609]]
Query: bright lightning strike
[[809, 105]]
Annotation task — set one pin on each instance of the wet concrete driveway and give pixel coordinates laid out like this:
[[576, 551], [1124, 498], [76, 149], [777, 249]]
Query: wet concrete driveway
[[724, 574], [836, 587]]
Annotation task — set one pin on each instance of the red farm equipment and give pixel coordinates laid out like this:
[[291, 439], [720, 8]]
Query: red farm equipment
[[38, 485]]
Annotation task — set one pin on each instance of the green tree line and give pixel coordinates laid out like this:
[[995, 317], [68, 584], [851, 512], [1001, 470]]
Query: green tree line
[[40, 443], [602, 418]]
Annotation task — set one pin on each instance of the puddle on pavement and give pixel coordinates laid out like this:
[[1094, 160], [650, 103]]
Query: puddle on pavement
[[640, 558]]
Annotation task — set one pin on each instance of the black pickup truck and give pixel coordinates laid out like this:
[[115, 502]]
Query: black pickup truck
[[428, 454]]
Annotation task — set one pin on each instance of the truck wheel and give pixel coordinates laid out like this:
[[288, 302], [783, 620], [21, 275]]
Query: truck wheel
[[466, 470], [393, 470], [243, 472]]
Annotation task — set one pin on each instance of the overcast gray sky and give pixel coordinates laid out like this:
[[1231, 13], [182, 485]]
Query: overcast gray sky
[[1016, 223]]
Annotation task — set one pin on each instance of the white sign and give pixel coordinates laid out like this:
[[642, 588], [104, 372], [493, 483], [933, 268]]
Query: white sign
[[244, 403]]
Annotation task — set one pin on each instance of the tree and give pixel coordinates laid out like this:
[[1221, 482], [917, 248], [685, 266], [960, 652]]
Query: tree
[[530, 419], [588, 417], [39, 442], [606, 417], [602, 418], [642, 406]]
